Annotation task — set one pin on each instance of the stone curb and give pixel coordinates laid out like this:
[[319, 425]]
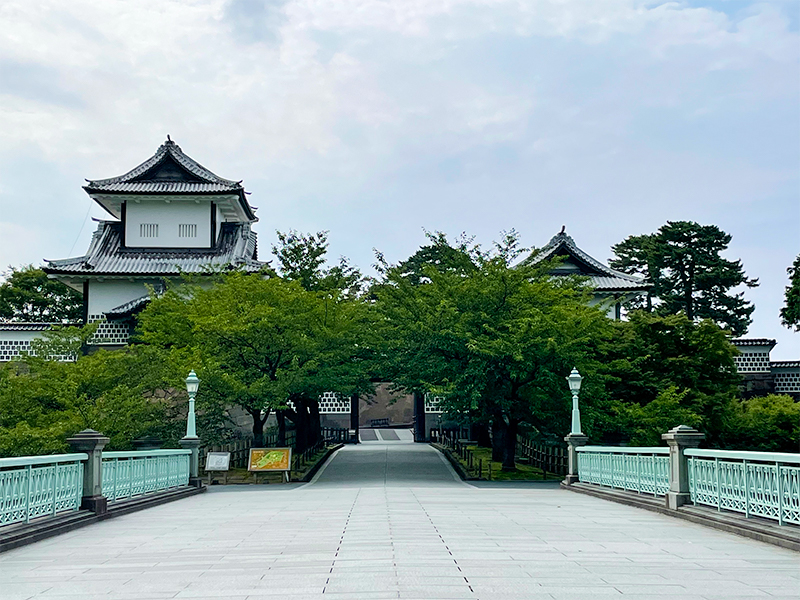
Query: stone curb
[[49, 527], [459, 468], [313, 470], [755, 529]]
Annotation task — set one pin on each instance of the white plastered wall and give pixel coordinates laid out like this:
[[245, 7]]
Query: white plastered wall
[[168, 215], [110, 293]]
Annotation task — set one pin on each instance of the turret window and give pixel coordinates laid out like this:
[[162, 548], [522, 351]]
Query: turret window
[[187, 231], [148, 230]]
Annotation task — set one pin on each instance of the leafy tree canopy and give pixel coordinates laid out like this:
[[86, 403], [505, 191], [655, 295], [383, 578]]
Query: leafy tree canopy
[[27, 294], [264, 342], [683, 260], [496, 339], [686, 367], [790, 313], [302, 257], [126, 394]]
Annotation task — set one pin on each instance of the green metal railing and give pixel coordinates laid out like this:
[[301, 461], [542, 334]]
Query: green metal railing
[[39, 486], [641, 470], [130, 474], [757, 484]]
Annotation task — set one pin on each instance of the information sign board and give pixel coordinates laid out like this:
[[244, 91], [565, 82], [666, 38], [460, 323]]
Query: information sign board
[[270, 459], [218, 461]]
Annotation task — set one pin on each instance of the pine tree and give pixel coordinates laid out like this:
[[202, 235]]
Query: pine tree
[[683, 260]]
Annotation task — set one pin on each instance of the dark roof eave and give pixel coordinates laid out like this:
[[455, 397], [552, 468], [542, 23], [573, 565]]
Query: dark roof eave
[[239, 192]]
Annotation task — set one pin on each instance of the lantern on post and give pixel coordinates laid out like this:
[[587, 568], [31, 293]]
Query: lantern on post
[[576, 438], [190, 441], [574, 380], [192, 383]]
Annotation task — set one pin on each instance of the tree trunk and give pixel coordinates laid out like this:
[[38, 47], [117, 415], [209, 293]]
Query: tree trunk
[[281, 417], [258, 427], [510, 447], [315, 423], [498, 438], [301, 425], [480, 433]]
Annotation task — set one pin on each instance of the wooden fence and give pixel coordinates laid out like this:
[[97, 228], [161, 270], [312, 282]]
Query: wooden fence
[[550, 458]]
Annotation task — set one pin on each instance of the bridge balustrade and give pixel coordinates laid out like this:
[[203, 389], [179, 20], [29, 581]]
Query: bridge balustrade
[[641, 470], [39, 486], [130, 474], [758, 484]]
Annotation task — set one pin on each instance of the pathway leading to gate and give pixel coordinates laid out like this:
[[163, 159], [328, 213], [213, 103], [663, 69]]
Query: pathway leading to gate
[[389, 519]]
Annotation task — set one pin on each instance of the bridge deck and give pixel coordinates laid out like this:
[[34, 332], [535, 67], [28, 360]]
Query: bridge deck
[[390, 520]]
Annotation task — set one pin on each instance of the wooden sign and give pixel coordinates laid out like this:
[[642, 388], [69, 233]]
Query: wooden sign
[[270, 459], [218, 461]]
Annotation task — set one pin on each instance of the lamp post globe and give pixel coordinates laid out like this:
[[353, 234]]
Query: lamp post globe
[[192, 383], [574, 379]]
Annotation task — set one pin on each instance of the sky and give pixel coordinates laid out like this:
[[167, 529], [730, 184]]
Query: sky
[[378, 120]]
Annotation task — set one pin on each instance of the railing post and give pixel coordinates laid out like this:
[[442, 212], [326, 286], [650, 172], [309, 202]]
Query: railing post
[[193, 444], [679, 439], [574, 441], [92, 443]]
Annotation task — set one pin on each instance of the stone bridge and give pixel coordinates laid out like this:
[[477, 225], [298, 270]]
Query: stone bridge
[[390, 519]]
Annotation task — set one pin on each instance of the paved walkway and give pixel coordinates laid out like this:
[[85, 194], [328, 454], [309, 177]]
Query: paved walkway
[[390, 520]]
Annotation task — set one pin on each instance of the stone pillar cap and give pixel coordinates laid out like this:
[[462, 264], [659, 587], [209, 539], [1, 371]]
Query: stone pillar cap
[[87, 434], [683, 431]]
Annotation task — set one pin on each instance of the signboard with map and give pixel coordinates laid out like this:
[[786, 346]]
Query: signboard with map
[[270, 459]]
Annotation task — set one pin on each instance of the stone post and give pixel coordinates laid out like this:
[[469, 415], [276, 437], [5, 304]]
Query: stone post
[[574, 440], [193, 444], [92, 443], [678, 439]]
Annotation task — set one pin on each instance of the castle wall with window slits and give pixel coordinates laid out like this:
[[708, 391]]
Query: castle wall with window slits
[[433, 404], [787, 380], [110, 333], [753, 361], [331, 403]]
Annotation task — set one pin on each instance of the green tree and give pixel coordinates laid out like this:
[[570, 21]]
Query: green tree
[[790, 313], [27, 294], [766, 423], [688, 366], [264, 343], [494, 339], [302, 257], [683, 261], [125, 394]]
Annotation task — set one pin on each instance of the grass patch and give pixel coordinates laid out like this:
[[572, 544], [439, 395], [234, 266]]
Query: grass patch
[[523, 472]]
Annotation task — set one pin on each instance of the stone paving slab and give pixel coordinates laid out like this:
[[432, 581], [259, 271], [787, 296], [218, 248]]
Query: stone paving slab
[[391, 520]]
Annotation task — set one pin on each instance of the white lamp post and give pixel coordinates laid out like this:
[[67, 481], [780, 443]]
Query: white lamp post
[[192, 383], [575, 439], [190, 441], [574, 380]]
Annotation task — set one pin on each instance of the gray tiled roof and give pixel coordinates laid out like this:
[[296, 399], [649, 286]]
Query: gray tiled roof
[[162, 187], [128, 308], [785, 364], [602, 277], [170, 171], [9, 326], [107, 256], [753, 342]]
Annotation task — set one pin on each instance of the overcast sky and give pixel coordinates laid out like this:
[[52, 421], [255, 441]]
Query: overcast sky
[[375, 119]]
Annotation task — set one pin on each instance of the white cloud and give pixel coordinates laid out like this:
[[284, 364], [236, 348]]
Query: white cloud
[[374, 118]]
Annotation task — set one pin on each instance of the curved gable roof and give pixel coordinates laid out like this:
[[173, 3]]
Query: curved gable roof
[[170, 171], [602, 277]]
